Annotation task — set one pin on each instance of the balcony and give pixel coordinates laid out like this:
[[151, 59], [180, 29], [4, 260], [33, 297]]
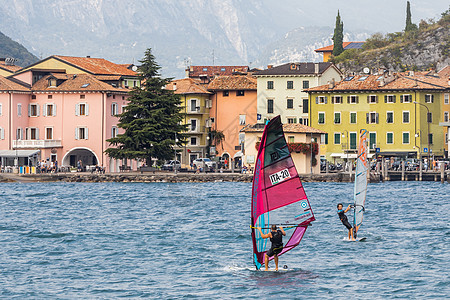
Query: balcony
[[18, 144], [197, 129], [196, 111]]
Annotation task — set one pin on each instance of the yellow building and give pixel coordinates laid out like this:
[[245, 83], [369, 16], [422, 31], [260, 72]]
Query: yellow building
[[195, 106], [400, 111]]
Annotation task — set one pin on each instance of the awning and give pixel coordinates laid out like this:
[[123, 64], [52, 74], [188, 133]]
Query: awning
[[18, 153], [238, 154], [336, 154], [349, 156], [398, 153]]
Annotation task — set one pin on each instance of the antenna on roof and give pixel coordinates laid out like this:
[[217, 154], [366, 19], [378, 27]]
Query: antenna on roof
[[213, 58], [366, 70]]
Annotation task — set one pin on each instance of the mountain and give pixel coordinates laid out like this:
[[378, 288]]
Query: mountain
[[184, 32], [10, 48]]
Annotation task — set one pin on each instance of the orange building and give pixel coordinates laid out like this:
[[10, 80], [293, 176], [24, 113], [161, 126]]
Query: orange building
[[233, 106], [328, 50]]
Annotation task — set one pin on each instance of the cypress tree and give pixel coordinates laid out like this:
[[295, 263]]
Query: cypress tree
[[338, 37], [150, 120], [409, 24]]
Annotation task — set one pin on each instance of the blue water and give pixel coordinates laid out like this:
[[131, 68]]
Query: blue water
[[192, 240]]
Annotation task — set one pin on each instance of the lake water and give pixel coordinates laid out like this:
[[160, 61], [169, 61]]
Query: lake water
[[192, 240]]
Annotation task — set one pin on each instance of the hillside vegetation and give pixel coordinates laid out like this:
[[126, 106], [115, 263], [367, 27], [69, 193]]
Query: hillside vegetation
[[425, 47], [10, 48]]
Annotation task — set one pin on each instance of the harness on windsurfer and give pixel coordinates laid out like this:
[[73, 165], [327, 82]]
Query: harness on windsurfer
[[341, 213], [276, 237]]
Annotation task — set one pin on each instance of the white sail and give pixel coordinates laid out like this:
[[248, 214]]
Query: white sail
[[362, 167]]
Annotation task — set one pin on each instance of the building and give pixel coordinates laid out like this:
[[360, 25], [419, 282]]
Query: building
[[281, 89], [298, 137], [64, 110], [195, 106], [234, 102], [328, 50], [8, 67], [400, 111], [207, 73], [445, 117]]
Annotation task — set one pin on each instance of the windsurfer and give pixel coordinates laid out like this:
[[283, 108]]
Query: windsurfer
[[276, 237], [344, 219]]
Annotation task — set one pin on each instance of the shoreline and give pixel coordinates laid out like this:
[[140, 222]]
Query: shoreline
[[164, 177]]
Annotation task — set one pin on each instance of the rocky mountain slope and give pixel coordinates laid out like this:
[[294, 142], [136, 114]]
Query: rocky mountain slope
[[12, 49]]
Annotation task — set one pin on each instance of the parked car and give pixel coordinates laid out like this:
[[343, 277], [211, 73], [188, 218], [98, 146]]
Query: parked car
[[200, 162], [170, 164]]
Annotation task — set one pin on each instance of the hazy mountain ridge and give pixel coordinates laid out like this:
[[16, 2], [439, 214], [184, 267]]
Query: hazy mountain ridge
[[12, 49]]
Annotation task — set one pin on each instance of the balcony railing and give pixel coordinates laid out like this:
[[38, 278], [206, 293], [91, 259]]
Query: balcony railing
[[197, 129], [197, 110], [37, 143]]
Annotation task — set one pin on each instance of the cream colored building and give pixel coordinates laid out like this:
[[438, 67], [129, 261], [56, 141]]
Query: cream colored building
[[281, 89]]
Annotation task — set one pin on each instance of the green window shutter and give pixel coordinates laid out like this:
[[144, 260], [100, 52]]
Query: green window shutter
[[385, 98]]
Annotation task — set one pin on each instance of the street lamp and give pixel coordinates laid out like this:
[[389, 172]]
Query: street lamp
[[343, 136], [428, 127], [312, 140], [175, 150]]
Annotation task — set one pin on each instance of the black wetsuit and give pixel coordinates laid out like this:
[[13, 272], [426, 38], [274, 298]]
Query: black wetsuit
[[344, 219], [277, 243]]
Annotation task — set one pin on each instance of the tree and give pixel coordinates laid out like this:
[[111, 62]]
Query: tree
[[338, 37], [409, 24], [217, 137], [151, 119]]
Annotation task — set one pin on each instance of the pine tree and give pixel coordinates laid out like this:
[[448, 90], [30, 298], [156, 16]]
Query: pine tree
[[409, 24], [338, 37], [150, 120]]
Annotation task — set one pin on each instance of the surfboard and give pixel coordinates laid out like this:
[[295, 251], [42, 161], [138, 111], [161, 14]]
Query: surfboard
[[360, 239]]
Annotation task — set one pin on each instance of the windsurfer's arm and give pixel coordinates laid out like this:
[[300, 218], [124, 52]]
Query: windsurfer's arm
[[264, 236], [282, 230], [348, 208]]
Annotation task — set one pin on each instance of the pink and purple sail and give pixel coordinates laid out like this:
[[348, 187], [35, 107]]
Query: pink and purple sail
[[278, 196]]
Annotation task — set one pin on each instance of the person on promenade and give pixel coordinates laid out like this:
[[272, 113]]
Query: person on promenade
[[343, 218], [276, 237]]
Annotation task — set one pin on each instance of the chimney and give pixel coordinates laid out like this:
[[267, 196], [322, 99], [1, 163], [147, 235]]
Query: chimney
[[88, 56], [187, 73], [331, 84], [316, 68], [411, 73], [269, 66], [382, 83], [174, 86]]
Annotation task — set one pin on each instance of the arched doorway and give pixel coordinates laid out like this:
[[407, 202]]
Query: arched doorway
[[226, 160], [87, 157]]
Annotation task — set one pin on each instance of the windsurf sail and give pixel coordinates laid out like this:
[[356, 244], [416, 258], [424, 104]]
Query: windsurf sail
[[362, 167], [278, 196]]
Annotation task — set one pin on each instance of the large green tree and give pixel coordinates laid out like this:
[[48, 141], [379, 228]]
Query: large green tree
[[338, 37], [409, 24], [151, 119]]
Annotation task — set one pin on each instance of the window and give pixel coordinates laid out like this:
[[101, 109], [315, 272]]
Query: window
[[19, 109], [372, 118], [321, 119], [389, 98], [405, 139], [225, 93], [50, 97], [241, 119], [305, 84], [205, 69], [372, 99], [336, 99], [291, 120], [49, 133], [81, 133], [19, 134], [0, 109], [193, 141], [429, 98], [390, 117], [33, 96], [445, 116], [321, 99], [114, 131], [352, 140], [193, 125], [406, 117], [82, 109], [353, 118], [305, 106], [270, 85], [82, 96], [372, 140], [240, 93], [291, 139], [406, 98], [337, 138], [2, 133], [114, 109], [270, 106], [193, 107], [222, 69], [353, 99], [446, 98], [33, 110], [290, 104], [49, 110], [337, 118], [34, 133], [326, 139], [290, 85], [430, 139], [389, 137], [429, 117]]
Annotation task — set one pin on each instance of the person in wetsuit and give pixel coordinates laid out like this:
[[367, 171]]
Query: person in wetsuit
[[276, 237], [343, 218]]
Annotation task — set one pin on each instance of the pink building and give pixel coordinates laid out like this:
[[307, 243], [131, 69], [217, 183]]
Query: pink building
[[61, 117]]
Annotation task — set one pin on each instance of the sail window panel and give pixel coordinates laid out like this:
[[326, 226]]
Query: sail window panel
[[275, 151]]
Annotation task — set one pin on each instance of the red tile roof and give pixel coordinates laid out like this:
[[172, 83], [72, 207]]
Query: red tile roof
[[445, 72], [287, 128], [234, 82], [11, 68], [8, 85], [186, 86], [97, 66], [211, 71]]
